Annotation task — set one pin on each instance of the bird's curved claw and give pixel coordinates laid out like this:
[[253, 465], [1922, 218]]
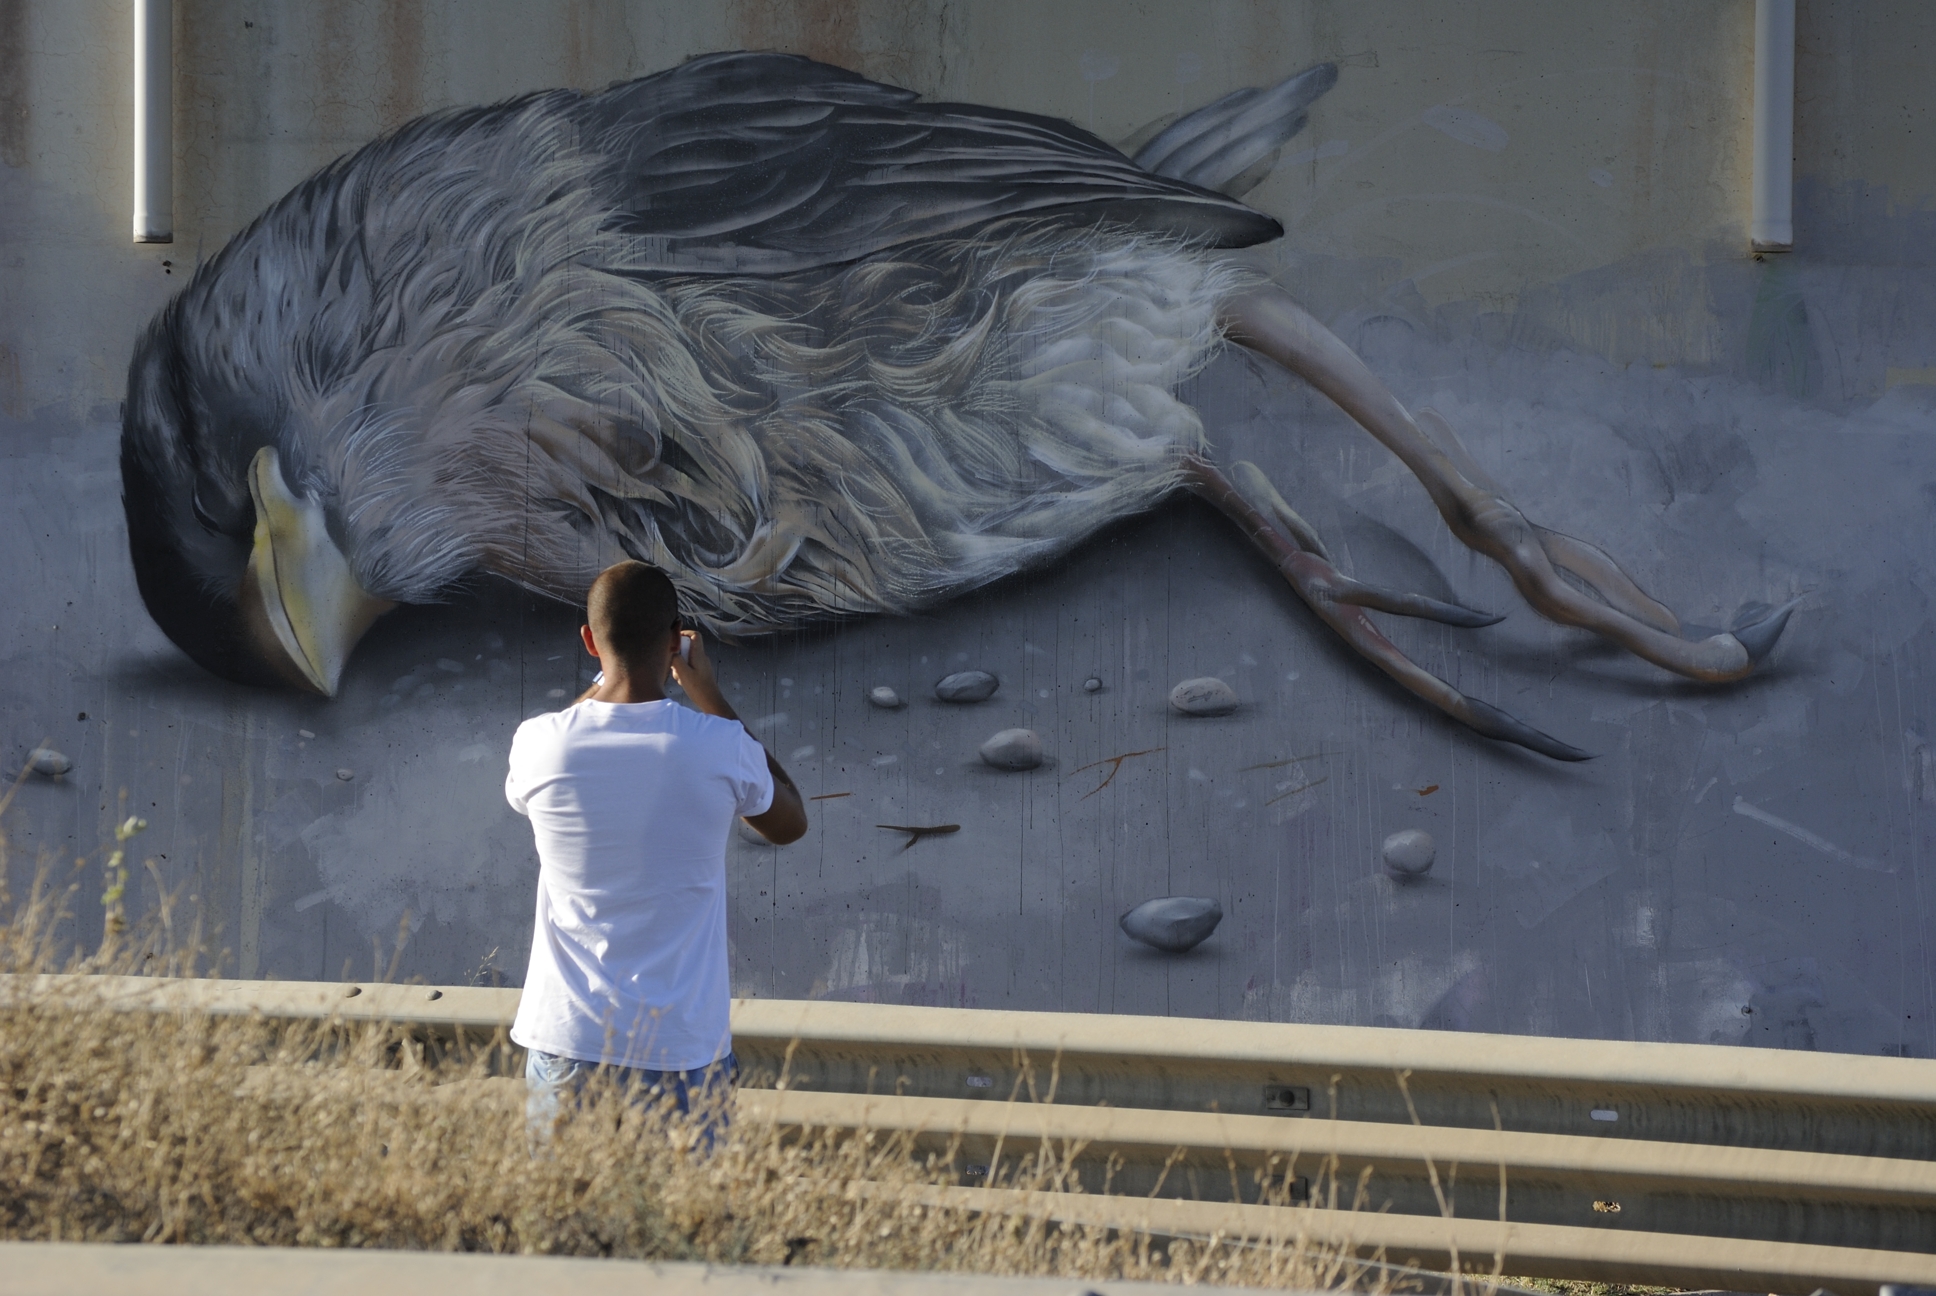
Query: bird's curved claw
[[1487, 719], [1340, 602], [1256, 489], [1380, 599], [1312, 579], [1758, 636], [1485, 521]]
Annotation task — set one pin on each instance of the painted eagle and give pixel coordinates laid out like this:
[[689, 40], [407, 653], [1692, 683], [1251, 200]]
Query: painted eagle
[[812, 346]]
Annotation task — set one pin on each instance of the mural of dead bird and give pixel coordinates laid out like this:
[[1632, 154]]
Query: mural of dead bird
[[815, 347]]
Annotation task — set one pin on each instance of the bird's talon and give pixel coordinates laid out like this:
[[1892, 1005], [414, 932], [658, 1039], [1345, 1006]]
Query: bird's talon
[[1338, 600], [1758, 637], [1494, 723], [1415, 605]]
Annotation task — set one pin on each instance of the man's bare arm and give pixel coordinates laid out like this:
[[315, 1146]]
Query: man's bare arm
[[786, 819]]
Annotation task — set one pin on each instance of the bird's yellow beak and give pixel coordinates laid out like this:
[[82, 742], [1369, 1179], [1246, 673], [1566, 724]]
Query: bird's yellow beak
[[303, 605]]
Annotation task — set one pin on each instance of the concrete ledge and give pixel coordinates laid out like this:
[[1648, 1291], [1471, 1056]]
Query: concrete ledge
[[439, 1007], [1534, 1250], [100, 1269]]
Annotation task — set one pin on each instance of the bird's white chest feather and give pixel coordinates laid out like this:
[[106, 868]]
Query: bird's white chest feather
[[867, 439]]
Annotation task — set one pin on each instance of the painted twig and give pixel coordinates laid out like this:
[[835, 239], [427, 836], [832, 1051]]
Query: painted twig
[[916, 832], [1115, 764], [1302, 787]]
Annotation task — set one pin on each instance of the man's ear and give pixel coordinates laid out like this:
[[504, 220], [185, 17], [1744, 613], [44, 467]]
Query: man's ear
[[591, 644]]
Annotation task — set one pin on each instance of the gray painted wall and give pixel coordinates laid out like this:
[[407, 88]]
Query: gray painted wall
[[1557, 265]]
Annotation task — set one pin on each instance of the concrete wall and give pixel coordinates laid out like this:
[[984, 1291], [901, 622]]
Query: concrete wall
[[1531, 217]]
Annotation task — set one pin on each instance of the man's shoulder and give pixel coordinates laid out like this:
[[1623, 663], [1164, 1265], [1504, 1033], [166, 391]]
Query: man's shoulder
[[545, 722], [713, 733], [702, 722], [664, 720], [533, 736]]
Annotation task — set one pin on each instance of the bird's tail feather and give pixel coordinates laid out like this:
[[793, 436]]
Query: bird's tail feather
[[1222, 144]]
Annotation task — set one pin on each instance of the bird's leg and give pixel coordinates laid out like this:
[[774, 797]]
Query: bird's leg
[[1478, 512], [1255, 488], [1589, 562], [1340, 602]]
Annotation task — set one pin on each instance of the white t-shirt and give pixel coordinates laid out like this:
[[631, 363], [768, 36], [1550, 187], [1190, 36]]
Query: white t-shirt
[[631, 804]]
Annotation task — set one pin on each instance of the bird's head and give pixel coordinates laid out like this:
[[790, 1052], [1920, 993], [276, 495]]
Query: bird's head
[[243, 572]]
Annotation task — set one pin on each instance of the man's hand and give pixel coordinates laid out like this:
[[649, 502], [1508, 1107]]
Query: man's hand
[[694, 671], [786, 819]]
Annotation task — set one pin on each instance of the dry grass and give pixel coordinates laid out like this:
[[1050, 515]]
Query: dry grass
[[192, 1128]]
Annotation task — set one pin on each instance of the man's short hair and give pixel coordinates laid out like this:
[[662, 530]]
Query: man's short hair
[[631, 609]]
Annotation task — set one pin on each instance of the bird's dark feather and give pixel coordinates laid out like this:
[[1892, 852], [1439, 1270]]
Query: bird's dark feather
[[1221, 141], [172, 551], [774, 164], [756, 319]]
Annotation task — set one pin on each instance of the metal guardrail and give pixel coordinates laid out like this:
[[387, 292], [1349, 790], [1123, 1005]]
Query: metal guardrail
[[1688, 1165]]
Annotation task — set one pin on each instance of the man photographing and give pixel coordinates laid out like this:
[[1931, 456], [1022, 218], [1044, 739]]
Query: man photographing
[[631, 797]]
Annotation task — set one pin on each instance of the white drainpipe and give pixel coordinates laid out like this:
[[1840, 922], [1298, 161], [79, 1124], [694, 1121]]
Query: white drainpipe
[[154, 121], [1773, 225]]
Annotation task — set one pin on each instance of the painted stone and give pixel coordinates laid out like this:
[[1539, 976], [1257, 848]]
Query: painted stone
[[345, 774], [1173, 924], [967, 686], [1013, 749], [884, 697], [1207, 696], [1409, 853], [749, 834], [49, 763], [1092, 685]]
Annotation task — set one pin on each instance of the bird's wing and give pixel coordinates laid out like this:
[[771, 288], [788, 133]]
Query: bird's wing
[[1221, 145], [771, 164]]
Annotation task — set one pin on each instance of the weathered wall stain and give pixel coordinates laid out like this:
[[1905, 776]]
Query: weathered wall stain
[[401, 23], [828, 31], [11, 392], [16, 91]]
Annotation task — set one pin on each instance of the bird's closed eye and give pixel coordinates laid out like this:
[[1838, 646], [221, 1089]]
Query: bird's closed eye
[[235, 523]]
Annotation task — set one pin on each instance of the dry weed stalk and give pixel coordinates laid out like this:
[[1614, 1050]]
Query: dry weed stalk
[[190, 1127]]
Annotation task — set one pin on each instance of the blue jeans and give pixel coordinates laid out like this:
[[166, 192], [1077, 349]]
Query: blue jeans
[[550, 1079]]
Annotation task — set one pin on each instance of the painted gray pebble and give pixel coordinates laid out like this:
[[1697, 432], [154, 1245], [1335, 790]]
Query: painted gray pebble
[[345, 774], [1092, 685], [1173, 924], [884, 697], [1013, 749], [48, 762], [1208, 696], [966, 686], [749, 834], [1409, 853]]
